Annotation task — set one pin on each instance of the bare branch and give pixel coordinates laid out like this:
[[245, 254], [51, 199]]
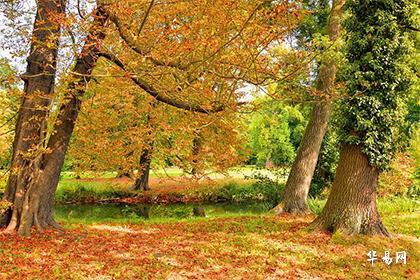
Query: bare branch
[[145, 17]]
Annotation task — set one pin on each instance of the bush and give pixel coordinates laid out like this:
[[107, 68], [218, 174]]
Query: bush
[[88, 192], [262, 188]]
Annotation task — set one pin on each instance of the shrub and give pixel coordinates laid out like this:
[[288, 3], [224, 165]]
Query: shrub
[[262, 188]]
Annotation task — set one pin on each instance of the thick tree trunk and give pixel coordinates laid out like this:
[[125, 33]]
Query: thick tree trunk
[[39, 81], [351, 206], [142, 181], [300, 177], [37, 198]]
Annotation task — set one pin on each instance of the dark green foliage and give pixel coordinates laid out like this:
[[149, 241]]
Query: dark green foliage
[[327, 163], [86, 192], [264, 189], [275, 132], [316, 22], [328, 157], [376, 78]]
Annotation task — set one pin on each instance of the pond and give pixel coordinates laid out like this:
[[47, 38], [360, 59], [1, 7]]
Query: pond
[[138, 213]]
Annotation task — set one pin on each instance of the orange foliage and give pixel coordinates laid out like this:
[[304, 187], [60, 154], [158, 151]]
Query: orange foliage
[[198, 54]]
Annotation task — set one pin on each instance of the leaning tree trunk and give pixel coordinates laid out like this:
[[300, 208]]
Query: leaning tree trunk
[[39, 81], [351, 206], [37, 197], [142, 181], [300, 177]]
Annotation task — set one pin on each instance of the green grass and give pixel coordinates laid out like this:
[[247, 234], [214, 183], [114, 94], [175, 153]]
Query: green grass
[[73, 191], [400, 215], [134, 214]]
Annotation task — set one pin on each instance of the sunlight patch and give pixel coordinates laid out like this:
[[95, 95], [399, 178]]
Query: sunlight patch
[[123, 229]]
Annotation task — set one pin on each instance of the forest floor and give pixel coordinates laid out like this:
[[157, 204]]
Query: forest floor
[[110, 243], [243, 247]]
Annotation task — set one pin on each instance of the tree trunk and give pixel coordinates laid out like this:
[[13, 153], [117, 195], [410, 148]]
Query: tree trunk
[[33, 203], [142, 181], [39, 80], [351, 206], [300, 177], [196, 163]]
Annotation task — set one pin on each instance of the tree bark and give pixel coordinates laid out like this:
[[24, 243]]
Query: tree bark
[[142, 181], [300, 177], [197, 145], [33, 203], [351, 206], [39, 80]]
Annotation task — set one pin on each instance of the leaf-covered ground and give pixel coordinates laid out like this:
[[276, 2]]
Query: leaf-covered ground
[[247, 247]]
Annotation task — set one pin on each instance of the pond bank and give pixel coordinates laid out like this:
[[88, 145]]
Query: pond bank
[[167, 192]]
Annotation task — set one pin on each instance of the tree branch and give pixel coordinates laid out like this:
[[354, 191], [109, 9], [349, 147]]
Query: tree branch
[[131, 43], [153, 92], [145, 17]]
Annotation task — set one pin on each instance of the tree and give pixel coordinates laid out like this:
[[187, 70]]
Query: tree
[[274, 133], [38, 156], [39, 86], [239, 38], [216, 71], [300, 176], [143, 171], [376, 83], [128, 125]]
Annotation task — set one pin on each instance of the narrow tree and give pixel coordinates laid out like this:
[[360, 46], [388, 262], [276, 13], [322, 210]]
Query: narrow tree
[[376, 83], [300, 177], [142, 180], [197, 143]]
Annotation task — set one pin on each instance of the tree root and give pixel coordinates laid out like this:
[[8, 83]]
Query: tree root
[[349, 228], [296, 211]]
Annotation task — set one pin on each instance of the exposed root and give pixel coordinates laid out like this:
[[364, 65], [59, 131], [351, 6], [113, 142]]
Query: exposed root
[[37, 224], [11, 227], [349, 227], [296, 211], [55, 226]]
